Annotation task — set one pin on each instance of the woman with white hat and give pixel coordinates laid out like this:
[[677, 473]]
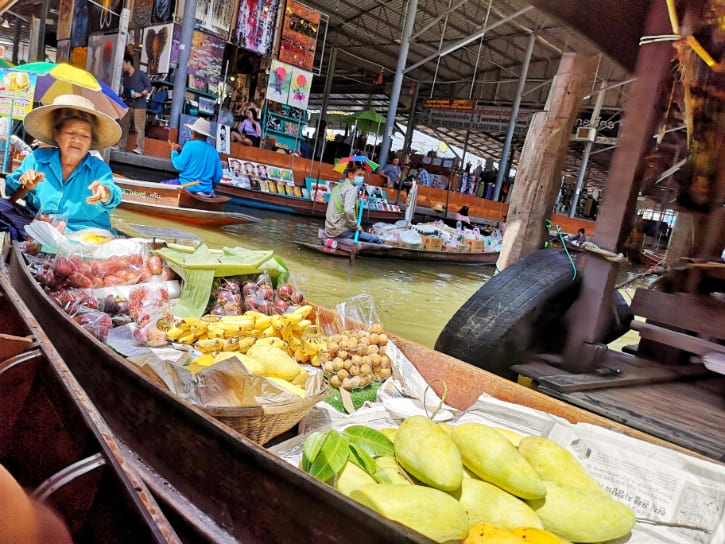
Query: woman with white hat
[[64, 179], [197, 161]]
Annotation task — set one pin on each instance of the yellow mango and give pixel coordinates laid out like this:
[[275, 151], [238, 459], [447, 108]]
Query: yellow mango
[[513, 436], [253, 366], [432, 513], [486, 503], [582, 516], [489, 533], [493, 458], [276, 361], [555, 463], [287, 386], [390, 433], [352, 477], [533, 535], [428, 453], [390, 467]]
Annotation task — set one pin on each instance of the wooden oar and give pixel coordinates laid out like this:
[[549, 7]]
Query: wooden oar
[[190, 183], [22, 191]]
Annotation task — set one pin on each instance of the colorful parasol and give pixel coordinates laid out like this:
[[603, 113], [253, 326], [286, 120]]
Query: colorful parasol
[[342, 164], [6, 64], [57, 79]]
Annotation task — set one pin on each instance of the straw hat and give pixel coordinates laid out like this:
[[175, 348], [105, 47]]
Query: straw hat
[[201, 126], [40, 122], [439, 208]]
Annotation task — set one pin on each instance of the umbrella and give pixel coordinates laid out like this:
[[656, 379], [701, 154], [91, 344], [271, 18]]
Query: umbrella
[[342, 164], [57, 79], [6, 64], [369, 121]]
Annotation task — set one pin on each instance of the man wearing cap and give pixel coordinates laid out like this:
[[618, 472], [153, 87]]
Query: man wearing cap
[[341, 218], [64, 179], [197, 161]]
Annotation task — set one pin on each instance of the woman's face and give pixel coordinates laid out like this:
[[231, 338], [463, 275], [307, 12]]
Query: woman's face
[[250, 115], [74, 139]]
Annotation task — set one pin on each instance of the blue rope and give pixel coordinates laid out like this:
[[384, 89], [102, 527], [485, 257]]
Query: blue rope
[[560, 234]]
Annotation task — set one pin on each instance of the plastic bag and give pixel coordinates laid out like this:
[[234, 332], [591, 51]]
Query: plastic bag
[[358, 312], [95, 322], [411, 237], [149, 307]]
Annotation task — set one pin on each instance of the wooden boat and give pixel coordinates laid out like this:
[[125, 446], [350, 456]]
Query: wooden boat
[[226, 487], [293, 204], [178, 204], [350, 250], [54, 442]]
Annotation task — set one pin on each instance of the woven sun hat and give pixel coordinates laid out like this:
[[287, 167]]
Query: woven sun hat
[[439, 208], [41, 121], [201, 126]]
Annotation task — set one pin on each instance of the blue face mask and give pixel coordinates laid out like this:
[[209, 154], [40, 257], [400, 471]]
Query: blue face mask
[[358, 180]]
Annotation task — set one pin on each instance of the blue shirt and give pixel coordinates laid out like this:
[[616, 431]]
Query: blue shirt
[[198, 160], [53, 196], [393, 173]]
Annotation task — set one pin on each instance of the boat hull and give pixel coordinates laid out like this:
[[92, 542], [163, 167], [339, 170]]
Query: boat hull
[[383, 251], [53, 440], [177, 204], [296, 205]]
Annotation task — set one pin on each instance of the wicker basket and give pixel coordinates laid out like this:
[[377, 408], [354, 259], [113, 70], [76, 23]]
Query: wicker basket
[[263, 422]]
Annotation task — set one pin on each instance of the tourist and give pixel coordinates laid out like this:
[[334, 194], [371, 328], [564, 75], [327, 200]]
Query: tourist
[[424, 177], [462, 215], [248, 132], [342, 208], [392, 173], [63, 179], [197, 161], [579, 238], [136, 88]]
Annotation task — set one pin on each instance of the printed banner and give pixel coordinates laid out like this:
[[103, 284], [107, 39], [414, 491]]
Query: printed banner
[[16, 93], [299, 35]]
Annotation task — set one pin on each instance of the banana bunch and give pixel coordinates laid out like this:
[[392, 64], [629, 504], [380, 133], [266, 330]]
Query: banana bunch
[[291, 332]]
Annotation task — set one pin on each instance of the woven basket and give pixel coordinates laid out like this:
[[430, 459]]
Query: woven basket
[[263, 422]]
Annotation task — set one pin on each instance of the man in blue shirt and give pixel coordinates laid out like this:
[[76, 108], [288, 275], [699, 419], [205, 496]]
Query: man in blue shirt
[[198, 160], [136, 89], [425, 177]]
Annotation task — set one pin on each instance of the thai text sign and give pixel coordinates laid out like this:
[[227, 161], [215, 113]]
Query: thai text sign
[[494, 119], [449, 104], [16, 93]]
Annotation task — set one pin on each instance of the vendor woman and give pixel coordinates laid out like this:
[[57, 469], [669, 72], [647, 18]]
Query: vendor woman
[[64, 179]]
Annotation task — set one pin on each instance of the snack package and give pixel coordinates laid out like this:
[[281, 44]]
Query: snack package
[[149, 308]]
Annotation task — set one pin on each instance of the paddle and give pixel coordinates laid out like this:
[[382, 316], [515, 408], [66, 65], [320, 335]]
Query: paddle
[[190, 183], [359, 219]]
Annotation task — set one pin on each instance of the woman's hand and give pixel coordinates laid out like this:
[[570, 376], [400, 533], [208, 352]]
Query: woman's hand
[[30, 179], [99, 193]]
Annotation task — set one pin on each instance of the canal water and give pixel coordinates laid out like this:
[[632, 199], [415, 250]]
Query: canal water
[[413, 299]]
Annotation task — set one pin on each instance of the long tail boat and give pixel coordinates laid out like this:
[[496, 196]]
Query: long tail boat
[[176, 203], [54, 442], [218, 485]]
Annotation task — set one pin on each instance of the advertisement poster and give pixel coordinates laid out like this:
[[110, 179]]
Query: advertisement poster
[[156, 51], [65, 16], [216, 16], [299, 35], [100, 56], [255, 25], [103, 15], [16, 93], [280, 78], [300, 85], [79, 24]]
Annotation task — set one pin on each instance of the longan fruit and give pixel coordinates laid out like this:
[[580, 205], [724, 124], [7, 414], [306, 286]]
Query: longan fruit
[[335, 381], [373, 349], [382, 339], [337, 364], [329, 366], [342, 374], [374, 338], [343, 354], [365, 370], [384, 372], [374, 359], [356, 359], [384, 361], [354, 370], [376, 327]]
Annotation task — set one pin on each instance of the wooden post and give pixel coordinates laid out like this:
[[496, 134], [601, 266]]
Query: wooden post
[[542, 157], [593, 308]]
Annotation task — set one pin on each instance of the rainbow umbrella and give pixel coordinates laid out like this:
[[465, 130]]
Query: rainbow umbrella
[[56, 79], [6, 64], [342, 164]]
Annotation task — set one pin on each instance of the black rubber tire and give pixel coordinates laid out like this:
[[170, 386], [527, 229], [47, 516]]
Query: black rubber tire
[[522, 311], [517, 312]]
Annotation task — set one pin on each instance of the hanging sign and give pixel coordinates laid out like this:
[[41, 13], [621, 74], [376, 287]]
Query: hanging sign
[[16, 93], [449, 104], [493, 119]]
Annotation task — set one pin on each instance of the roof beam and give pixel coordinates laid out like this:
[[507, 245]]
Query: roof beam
[[432, 23]]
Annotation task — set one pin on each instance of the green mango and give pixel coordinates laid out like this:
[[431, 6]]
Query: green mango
[[486, 503], [351, 477], [555, 463], [390, 467], [428, 453], [582, 516], [432, 513], [493, 458]]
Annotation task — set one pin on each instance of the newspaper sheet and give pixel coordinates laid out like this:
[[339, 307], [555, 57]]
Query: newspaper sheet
[[677, 498]]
